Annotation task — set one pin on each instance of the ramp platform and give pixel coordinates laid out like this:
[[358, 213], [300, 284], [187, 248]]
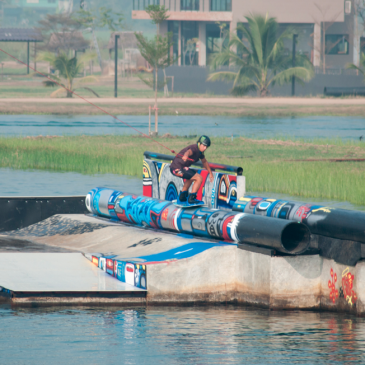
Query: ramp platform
[[60, 277]]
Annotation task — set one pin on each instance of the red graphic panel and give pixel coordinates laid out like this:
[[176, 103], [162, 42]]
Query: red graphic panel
[[204, 174], [331, 285], [225, 233], [147, 190], [110, 266], [302, 212], [123, 217], [347, 286]]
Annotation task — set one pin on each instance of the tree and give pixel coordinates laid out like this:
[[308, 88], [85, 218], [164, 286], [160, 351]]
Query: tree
[[155, 51], [68, 69], [158, 14], [259, 59], [100, 19], [223, 32], [62, 33]]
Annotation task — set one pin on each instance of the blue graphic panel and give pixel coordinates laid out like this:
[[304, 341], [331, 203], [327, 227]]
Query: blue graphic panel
[[178, 253]]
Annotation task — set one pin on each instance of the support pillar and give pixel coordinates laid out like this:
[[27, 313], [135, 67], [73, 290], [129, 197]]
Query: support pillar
[[28, 58], [202, 44], [179, 62], [317, 45], [35, 56], [356, 42], [116, 65], [163, 28]]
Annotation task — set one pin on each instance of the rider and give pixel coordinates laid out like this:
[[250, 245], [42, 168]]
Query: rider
[[180, 168]]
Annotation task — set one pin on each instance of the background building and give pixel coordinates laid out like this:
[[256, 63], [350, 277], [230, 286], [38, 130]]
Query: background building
[[327, 32]]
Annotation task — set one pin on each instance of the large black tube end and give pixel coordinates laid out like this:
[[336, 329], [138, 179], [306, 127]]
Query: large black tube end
[[295, 238]]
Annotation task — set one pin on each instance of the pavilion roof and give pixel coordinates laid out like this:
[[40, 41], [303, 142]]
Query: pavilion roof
[[19, 35]]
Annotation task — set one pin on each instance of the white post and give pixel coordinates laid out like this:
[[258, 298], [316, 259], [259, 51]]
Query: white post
[[317, 45], [149, 120], [241, 186], [356, 39], [202, 44], [179, 46]]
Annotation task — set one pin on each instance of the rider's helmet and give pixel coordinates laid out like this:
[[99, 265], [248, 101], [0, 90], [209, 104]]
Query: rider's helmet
[[205, 140]]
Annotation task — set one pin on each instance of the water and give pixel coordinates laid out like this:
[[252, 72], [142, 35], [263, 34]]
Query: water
[[347, 128], [178, 335], [44, 183], [48, 183]]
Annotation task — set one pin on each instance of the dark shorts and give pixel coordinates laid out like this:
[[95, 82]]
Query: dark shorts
[[186, 173]]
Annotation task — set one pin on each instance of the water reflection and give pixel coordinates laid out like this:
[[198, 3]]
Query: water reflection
[[180, 335]]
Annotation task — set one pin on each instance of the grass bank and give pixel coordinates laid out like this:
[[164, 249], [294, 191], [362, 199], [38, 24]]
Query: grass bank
[[265, 162]]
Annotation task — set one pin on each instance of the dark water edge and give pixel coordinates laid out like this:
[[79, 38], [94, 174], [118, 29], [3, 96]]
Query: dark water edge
[[178, 335]]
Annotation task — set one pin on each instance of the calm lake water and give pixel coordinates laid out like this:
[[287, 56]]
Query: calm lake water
[[45, 183], [294, 127], [178, 335]]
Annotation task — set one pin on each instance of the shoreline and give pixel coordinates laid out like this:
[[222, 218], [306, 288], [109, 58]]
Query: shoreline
[[248, 107]]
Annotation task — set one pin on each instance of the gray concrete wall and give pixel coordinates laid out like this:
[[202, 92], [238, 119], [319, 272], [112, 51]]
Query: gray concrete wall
[[298, 11], [193, 79]]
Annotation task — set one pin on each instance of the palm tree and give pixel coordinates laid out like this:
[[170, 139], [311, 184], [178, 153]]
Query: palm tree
[[259, 58], [68, 69], [351, 66]]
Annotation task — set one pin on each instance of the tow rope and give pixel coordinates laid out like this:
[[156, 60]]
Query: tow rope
[[98, 107]]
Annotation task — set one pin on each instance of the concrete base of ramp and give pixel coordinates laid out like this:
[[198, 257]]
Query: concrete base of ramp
[[186, 269], [60, 277]]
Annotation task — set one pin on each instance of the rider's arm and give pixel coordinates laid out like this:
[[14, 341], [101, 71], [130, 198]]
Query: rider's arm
[[206, 165], [188, 153]]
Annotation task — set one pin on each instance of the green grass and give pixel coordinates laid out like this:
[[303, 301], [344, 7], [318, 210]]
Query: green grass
[[104, 91], [264, 164]]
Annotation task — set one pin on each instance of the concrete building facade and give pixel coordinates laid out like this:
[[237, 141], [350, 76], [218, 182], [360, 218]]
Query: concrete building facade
[[327, 32]]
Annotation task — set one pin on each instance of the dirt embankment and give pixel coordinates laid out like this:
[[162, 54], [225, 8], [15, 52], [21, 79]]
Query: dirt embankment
[[254, 107]]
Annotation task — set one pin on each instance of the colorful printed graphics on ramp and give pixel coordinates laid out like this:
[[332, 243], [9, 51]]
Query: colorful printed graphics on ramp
[[199, 221], [133, 271], [178, 253], [159, 183], [159, 214], [125, 271], [325, 221]]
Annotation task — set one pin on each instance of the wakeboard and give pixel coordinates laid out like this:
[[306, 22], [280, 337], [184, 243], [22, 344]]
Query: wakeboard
[[188, 206]]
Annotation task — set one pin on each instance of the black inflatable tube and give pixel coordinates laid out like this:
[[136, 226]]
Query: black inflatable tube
[[340, 223], [323, 221], [285, 236]]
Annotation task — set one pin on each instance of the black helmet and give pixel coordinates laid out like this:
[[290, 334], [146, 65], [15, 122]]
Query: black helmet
[[205, 140]]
